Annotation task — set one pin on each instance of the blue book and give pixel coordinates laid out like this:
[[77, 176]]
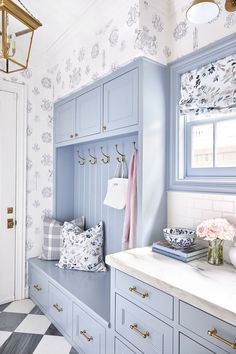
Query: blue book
[[197, 249], [179, 258]]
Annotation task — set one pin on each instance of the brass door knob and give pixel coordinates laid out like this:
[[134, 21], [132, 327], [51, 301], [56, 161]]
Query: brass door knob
[[10, 223]]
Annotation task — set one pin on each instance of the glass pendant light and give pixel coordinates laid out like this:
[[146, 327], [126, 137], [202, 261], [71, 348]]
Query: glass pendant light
[[17, 26], [202, 11]]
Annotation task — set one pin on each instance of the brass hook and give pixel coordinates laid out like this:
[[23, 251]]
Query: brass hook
[[107, 157], [134, 143], [81, 158], [122, 155], [93, 157]]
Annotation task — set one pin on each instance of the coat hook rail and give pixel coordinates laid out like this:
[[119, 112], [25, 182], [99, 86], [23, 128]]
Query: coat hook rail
[[106, 159], [82, 160], [93, 160], [122, 158]]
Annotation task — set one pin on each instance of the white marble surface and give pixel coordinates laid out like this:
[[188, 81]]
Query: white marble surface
[[210, 288]]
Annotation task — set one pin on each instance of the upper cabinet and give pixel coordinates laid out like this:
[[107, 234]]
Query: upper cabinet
[[109, 105], [64, 121], [88, 113], [121, 101]]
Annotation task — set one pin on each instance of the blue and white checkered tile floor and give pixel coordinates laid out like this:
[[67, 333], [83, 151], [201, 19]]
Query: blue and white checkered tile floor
[[25, 330]]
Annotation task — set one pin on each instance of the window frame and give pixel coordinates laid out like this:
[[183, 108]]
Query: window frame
[[208, 171], [177, 178]]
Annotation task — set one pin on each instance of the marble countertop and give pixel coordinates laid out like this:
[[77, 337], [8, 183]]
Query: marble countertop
[[210, 288]]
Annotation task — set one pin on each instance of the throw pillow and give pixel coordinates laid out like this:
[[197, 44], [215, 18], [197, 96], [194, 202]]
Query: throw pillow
[[82, 250], [52, 240]]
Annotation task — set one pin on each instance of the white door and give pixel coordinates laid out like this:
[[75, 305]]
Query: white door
[[8, 143]]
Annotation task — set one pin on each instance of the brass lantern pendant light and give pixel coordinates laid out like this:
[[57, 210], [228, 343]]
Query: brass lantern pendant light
[[230, 5], [17, 26]]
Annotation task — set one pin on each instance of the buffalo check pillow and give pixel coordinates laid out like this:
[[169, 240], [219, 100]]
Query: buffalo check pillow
[[52, 240]]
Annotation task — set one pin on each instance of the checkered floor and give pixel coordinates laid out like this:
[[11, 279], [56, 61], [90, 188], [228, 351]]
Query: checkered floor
[[25, 330]]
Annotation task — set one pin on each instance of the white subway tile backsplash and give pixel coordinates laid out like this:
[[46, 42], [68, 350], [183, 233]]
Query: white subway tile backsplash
[[225, 207], [190, 209]]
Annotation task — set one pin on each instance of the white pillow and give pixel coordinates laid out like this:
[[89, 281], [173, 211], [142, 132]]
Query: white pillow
[[82, 250]]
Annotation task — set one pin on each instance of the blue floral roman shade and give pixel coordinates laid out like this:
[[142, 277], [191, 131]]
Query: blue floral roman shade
[[211, 88]]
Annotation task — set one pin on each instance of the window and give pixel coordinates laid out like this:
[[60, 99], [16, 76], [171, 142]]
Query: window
[[202, 127], [211, 146]]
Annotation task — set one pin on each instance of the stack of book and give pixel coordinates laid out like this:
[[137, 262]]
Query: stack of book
[[196, 251]]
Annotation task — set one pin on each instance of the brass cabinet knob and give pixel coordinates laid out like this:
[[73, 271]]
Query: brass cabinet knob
[[71, 136], [76, 135], [104, 128]]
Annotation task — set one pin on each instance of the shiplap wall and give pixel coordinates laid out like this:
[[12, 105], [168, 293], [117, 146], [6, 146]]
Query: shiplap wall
[[91, 187]]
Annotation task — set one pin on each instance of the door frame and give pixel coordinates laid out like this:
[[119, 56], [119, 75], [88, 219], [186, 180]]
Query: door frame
[[21, 119]]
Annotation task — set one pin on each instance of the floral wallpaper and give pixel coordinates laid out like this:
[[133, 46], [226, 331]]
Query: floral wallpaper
[[186, 37], [99, 45]]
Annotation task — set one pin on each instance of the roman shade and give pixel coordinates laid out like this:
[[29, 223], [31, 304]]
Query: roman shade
[[211, 88]]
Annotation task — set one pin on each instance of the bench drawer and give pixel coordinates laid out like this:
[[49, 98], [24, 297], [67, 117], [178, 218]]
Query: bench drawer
[[201, 323], [187, 346], [121, 348], [88, 334], [39, 287], [60, 308], [143, 330], [143, 294]]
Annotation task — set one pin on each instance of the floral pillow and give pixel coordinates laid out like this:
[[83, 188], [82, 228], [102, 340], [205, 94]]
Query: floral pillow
[[82, 250]]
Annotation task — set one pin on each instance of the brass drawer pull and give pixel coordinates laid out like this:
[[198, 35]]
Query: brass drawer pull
[[84, 334], [37, 287], [58, 308], [134, 328], [213, 333], [134, 290]]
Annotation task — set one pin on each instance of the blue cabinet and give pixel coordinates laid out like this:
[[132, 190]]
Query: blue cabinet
[[187, 346], [121, 101], [88, 113], [64, 121]]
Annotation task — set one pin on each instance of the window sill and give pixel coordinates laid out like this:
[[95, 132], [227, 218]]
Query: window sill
[[204, 184]]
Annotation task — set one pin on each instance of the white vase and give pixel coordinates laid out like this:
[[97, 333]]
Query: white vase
[[232, 255]]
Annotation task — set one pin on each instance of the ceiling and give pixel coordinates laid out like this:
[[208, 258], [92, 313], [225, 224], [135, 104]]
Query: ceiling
[[57, 17]]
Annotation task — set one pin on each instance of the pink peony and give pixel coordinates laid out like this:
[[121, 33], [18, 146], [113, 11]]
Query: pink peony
[[216, 228]]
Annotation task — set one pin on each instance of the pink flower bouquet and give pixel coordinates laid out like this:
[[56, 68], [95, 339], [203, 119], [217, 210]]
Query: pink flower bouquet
[[213, 229]]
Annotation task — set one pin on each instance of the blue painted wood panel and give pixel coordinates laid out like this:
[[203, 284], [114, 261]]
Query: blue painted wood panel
[[88, 113], [64, 179], [121, 101], [121, 348], [91, 329], [64, 121], [159, 335], [187, 346], [78, 285], [60, 308], [90, 187]]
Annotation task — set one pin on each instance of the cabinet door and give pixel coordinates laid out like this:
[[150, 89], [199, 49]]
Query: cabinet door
[[64, 121], [187, 346], [88, 113], [121, 101], [121, 348]]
